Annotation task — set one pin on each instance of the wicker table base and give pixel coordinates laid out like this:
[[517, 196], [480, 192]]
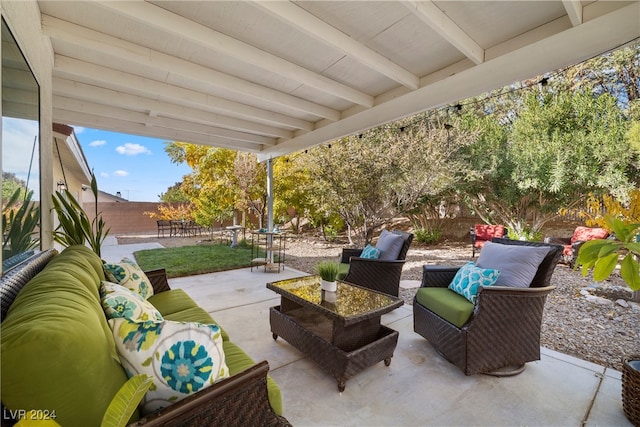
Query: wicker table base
[[308, 335]]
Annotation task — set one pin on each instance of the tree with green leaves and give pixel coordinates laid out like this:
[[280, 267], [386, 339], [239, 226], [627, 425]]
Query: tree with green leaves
[[292, 180], [386, 172], [559, 148], [222, 182], [174, 194], [10, 183]]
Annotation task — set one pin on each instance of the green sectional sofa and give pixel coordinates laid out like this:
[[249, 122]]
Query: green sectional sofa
[[58, 353]]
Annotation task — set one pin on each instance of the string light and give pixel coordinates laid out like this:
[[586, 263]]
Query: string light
[[458, 106]]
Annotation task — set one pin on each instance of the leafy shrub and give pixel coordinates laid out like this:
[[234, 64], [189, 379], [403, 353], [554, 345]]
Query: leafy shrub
[[428, 237], [330, 233], [528, 235]]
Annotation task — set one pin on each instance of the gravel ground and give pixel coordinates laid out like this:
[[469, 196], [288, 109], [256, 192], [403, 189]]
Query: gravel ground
[[593, 322]]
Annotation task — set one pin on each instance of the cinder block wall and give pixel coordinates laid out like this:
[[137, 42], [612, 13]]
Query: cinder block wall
[[125, 218], [129, 217]]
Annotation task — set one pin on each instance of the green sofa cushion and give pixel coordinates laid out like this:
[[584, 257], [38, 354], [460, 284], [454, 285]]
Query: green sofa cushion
[[343, 269], [237, 361], [173, 301], [58, 353], [447, 304], [196, 314]]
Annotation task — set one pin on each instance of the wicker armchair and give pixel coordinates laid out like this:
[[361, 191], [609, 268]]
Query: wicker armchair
[[381, 276], [573, 244], [504, 328]]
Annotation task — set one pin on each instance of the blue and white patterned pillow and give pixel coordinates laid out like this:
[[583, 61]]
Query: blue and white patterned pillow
[[181, 358], [370, 252], [469, 278], [118, 301], [128, 274]]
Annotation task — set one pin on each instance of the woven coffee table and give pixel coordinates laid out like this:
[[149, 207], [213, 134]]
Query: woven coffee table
[[340, 330]]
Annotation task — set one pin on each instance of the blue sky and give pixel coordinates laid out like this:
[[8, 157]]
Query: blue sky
[[135, 166]]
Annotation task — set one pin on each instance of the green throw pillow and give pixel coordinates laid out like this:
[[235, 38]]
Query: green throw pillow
[[128, 274], [118, 301], [182, 358], [469, 278]]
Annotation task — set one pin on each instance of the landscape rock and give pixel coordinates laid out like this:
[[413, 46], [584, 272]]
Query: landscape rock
[[622, 303]]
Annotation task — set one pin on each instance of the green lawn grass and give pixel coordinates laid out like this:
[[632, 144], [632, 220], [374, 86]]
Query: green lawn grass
[[190, 260]]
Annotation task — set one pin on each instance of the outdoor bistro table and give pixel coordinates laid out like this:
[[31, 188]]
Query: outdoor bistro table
[[340, 330]]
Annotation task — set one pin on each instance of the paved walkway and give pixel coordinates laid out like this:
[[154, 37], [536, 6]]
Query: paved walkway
[[419, 388]]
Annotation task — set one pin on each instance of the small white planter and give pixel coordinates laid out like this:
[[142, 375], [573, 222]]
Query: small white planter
[[329, 286], [329, 297]]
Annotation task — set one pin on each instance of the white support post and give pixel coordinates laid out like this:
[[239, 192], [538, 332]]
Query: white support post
[[270, 209]]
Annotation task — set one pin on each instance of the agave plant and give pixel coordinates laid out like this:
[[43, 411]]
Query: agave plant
[[74, 226], [20, 218]]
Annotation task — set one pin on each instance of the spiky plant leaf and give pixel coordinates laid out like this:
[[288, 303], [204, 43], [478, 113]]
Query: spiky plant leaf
[[126, 401]]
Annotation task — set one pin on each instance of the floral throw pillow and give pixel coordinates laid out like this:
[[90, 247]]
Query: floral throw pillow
[[469, 278], [181, 358], [128, 274], [118, 301], [370, 252]]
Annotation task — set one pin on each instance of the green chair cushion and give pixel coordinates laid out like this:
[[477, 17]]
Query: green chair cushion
[[237, 361], [343, 269], [173, 301], [447, 304], [57, 321], [196, 314]]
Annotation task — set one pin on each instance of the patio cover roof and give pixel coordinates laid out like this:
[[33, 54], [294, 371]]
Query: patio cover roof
[[277, 77]]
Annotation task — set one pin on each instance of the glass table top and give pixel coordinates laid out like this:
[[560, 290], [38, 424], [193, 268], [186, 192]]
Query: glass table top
[[347, 301]]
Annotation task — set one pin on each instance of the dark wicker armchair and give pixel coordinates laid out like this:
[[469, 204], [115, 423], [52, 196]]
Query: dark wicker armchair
[[504, 328], [381, 276]]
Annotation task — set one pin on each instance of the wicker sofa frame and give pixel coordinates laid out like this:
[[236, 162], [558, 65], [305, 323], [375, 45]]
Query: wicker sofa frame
[[381, 276], [240, 400], [504, 329]]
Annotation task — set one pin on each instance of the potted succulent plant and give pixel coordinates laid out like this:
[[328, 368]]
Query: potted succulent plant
[[603, 255], [328, 272]]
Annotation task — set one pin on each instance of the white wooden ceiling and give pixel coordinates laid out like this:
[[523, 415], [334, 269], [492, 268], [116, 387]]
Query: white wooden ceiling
[[280, 76]]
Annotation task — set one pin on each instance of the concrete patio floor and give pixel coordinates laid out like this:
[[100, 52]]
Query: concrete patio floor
[[419, 388]]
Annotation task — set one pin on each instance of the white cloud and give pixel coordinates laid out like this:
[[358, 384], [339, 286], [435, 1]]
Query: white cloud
[[130, 149], [120, 173], [104, 175], [97, 143], [78, 129], [19, 138]]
